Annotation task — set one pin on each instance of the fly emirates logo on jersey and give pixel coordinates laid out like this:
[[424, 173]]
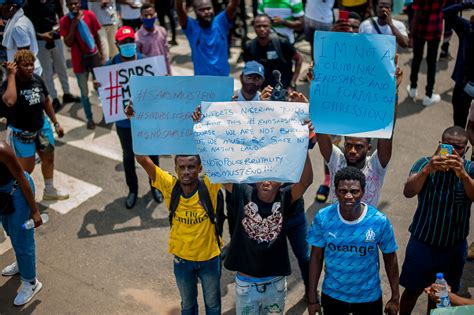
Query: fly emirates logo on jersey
[[364, 249]]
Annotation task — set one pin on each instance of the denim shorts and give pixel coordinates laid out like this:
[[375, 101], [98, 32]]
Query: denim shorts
[[260, 297], [26, 143]]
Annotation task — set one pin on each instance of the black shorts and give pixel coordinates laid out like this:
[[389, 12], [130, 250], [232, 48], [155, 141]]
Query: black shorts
[[423, 262], [332, 306]]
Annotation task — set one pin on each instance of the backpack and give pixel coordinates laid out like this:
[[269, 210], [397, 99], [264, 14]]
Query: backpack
[[275, 38], [217, 216]]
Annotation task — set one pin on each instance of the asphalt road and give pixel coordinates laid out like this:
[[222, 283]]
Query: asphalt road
[[96, 257]]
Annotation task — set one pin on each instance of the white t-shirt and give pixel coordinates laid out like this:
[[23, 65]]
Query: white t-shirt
[[101, 13], [23, 35], [319, 10], [373, 171], [129, 13], [367, 27]]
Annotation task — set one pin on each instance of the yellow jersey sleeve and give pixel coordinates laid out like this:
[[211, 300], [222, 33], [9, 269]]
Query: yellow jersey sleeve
[[164, 182], [213, 190]]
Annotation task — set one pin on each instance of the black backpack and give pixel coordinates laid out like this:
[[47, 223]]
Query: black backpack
[[217, 217]]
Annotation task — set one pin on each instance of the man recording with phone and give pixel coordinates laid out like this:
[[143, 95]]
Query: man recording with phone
[[274, 52], [445, 188]]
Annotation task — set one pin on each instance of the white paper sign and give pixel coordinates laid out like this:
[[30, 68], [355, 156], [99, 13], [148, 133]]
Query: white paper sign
[[114, 80], [247, 142]]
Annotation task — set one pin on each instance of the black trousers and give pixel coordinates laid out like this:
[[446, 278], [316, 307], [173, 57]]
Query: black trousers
[[431, 59], [461, 104], [166, 8], [125, 136], [335, 307]]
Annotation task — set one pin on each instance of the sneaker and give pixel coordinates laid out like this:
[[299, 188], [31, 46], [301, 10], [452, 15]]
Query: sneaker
[[173, 42], [27, 292], [90, 125], [69, 98], [428, 101], [412, 92], [55, 194], [10, 270], [56, 105]]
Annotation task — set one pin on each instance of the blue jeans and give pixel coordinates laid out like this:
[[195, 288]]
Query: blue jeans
[[82, 80], [296, 228], [23, 241], [260, 298], [187, 273]]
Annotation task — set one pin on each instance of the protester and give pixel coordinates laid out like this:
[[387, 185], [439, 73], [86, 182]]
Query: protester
[[447, 32], [463, 73], [383, 23], [80, 31], [445, 190], [274, 53], [193, 240], [19, 31], [125, 41], [151, 38], [106, 13], [166, 8], [363, 8], [319, 16], [261, 258], [130, 12], [286, 16], [252, 78], [26, 99], [427, 27], [207, 36], [347, 236], [44, 17], [17, 196]]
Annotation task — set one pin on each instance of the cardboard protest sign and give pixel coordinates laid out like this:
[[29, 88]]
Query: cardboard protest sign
[[114, 90], [353, 90], [454, 310], [247, 142], [163, 106]]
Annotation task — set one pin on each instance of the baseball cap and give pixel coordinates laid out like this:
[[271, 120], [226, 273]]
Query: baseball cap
[[124, 32], [253, 67]]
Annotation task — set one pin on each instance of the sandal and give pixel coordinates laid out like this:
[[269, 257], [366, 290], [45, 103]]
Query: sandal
[[322, 194]]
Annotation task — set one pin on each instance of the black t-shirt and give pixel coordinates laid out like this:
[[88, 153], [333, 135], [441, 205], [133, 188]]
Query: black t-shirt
[[27, 113], [43, 15], [258, 246], [268, 57]]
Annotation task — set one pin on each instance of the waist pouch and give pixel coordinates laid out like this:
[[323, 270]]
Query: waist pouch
[[26, 137]]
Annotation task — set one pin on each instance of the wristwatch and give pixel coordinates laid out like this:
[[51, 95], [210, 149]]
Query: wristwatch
[[293, 85]]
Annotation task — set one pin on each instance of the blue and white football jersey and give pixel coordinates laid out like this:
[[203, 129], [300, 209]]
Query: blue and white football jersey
[[351, 254]]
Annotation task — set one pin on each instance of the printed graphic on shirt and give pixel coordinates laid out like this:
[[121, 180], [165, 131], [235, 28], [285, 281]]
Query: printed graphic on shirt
[[259, 229], [32, 96]]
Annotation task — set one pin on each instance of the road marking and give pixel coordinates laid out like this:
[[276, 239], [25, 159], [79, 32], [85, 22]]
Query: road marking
[[79, 191], [102, 141]]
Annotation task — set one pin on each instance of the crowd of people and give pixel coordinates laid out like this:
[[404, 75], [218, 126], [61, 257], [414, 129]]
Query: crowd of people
[[344, 237]]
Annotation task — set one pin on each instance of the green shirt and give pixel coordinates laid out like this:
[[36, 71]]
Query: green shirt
[[285, 9]]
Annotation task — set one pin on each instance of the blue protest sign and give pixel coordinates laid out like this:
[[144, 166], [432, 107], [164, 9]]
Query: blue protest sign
[[353, 90], [163, 106], [248, 142]]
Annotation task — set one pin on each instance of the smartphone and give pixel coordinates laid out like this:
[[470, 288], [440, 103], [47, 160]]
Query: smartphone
[[445, 149], [343, 15]]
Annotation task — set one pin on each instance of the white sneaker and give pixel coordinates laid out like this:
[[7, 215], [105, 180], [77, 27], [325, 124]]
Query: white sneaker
[[27, 292], [412, 92], [10, 270], [428, 101], [55, 194]]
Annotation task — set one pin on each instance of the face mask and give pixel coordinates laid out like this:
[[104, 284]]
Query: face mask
[[149, 23], [128, 50]]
